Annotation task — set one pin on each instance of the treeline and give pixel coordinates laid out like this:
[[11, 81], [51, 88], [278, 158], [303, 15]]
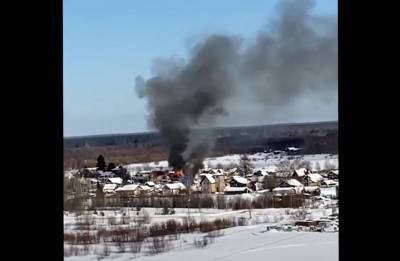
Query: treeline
[[196, 201]]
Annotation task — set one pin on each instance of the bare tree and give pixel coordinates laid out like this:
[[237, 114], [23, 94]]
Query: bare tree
[[245, 167], [284, 167], [305, 164], [288, 166]]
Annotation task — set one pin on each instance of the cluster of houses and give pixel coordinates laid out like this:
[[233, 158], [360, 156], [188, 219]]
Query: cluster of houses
[[303, 181], [300, 181], [210, 181]]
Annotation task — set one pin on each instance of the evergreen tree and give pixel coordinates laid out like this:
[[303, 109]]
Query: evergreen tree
[[101, 164], [110, 166]]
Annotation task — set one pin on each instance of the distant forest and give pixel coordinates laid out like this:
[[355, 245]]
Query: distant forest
[[317, 137]]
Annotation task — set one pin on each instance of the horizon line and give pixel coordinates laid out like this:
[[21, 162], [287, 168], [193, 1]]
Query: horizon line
[[215, 127]]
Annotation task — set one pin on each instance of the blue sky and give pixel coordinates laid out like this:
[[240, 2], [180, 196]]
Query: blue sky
[[108, 43]]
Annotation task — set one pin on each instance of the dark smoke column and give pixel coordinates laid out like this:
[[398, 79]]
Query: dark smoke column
[[182, 96], [293, 58]]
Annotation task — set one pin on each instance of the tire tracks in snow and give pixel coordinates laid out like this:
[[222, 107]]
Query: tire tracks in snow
[[256, 247]]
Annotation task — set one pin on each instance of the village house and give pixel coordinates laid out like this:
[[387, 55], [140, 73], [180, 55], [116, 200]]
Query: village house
[[237, 181], [103, 176], [145, 190], [158, 188], [131, 190], [327, 183], [282, 191], [164, 178], [208, 183], [259, 175], [142, 176], [313, 179], [312, 190], [256, 186], [156, 173], [172, 189], [117, 181], [236, 190], [220, 183], [299, 174], [333, 175], [292, 183], [216, 172], [109, 188], [151, 184]]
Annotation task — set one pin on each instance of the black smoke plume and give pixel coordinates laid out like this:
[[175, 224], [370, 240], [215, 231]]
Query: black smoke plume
[[190, 94], [294, 55]]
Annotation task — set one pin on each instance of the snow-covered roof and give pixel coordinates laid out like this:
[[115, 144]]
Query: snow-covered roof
[[293, 148], [315, 177], [310, 188], [106, 174], [209, 177], [109, 187], [330, 182], [301, 172], [335, 172], [144, 187], [143, 172], [150, 183], [235, 189], [280, 190], [294, 183], [177, 185], [262, 172], [217, 171], [115, 180], [240, 180], [130, 187]]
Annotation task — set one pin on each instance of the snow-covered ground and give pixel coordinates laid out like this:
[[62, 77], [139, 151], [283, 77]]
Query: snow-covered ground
[[268, 215], [251, 242], [259, 160], [247, 242]]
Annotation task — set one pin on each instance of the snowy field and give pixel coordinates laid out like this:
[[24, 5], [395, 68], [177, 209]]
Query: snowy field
[[268, 215], [259, 160], [248, 242]]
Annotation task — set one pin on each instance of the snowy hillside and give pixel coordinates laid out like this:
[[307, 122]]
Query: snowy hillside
[[249, 242], [259, 160]]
